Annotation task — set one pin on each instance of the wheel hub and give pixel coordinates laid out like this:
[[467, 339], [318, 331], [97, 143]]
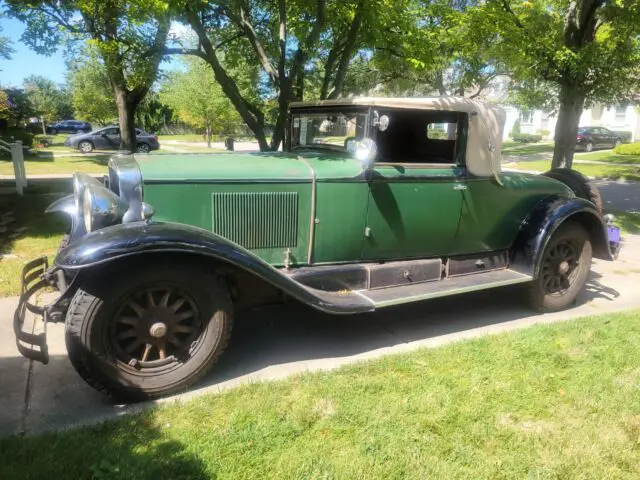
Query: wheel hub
[[158, 330], [155, 325], [563, 268]]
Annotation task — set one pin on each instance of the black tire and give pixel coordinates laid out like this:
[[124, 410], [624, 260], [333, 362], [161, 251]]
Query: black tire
[[553, 290], [616, 143], [143, 148], [93, 332], [588, 147], [53, 131], [580, 185], [85, 146]]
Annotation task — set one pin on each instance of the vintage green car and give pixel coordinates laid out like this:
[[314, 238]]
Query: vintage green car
[[374, 202]]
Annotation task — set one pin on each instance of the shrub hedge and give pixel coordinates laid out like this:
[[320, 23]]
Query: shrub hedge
[[526, 138], [628, 149], [13, 134]]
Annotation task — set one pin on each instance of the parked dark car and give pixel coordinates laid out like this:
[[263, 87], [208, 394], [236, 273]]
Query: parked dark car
[[589, 138], [69, 126], [108, 138]]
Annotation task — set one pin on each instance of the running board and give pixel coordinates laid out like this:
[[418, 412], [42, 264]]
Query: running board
[[361, 301], [387, 297]]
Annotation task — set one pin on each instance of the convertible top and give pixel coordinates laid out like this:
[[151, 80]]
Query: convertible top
[[486, 123]]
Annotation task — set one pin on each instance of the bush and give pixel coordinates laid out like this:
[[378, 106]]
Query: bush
[[628, 149], [515, 130], [624, 136], [15, 134], [526, 138], [544, 133]]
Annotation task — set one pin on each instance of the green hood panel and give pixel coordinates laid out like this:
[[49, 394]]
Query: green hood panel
[[270, 166]]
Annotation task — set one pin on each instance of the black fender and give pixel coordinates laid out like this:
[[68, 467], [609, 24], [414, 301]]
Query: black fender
[[122, 241], [67, 205], [544, 220]]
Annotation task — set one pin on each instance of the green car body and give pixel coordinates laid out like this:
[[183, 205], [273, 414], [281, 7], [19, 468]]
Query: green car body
[[321, 208], [372, 203]]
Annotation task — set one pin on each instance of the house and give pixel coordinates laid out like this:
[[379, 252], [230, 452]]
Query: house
[[617, 118]]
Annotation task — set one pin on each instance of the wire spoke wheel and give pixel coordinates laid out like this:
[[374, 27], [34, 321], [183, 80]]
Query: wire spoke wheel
[[560, 267], [155, 327]]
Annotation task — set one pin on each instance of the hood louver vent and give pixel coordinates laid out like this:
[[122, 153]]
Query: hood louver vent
[[256, 220]]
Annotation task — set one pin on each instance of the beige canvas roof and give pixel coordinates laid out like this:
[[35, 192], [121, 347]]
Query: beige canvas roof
[[486, 123]]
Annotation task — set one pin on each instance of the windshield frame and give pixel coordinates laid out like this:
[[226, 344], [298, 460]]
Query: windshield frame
[[322, 110]]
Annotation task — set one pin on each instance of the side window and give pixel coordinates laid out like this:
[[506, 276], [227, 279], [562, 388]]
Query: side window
[[111, 131], [442, 131], [421, 136]]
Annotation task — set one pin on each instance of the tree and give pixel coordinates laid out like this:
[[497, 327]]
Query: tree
[[152, 114], [5, 46], [128, 36], [20, 108], [91, 93], [198, 99], [45, 98], [284, 39], [587, 50]]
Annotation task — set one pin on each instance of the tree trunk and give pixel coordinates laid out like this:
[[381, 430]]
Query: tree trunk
[[208, 134], [44, 127], [127, 119], [571, 106]]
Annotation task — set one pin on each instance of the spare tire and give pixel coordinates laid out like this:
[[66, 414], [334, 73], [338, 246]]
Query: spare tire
[[579, 184]]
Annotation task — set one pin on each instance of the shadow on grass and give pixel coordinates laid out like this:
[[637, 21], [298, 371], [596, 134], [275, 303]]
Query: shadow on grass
[[28, 212], [145, 451]]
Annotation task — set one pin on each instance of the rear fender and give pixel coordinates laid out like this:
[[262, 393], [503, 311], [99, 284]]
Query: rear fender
[[545, 219], [124, 241]]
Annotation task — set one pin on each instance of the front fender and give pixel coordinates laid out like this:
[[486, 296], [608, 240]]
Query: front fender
[[116, 242], [544, 220]]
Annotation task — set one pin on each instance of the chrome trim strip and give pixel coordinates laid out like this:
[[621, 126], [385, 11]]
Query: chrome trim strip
[[312, 226]]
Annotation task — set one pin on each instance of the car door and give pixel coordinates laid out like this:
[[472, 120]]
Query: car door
[[108, 138], [602, 139], [414, 206]]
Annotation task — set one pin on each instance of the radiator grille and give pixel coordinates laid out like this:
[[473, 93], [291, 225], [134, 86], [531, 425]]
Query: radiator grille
[[258, 219]]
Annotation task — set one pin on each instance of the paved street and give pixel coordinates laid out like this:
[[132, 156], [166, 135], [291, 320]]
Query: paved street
[[280, 342]]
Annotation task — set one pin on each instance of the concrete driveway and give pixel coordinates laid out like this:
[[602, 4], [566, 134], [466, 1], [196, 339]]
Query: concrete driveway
[[283, 341]]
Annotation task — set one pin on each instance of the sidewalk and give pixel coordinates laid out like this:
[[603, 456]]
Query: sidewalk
[[291, 340]]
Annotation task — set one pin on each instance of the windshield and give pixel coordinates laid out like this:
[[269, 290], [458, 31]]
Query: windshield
[[336, 130]]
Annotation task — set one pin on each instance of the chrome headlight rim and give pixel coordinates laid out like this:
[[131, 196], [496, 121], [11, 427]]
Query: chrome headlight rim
[[101, 208]]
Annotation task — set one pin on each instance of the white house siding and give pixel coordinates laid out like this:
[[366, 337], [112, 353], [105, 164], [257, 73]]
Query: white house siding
[[621, 119]]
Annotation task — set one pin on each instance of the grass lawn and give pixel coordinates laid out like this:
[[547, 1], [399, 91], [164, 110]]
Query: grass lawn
[[44, 165], [200, 138], [599, 171], [552, 401], [41, 237], [629, 222], [608, 156], [514, 148]]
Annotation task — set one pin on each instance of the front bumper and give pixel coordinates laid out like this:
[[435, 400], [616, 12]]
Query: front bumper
[[34, 279], [37, 276]]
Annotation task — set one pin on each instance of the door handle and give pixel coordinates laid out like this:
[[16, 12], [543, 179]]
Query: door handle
[[459, 186]]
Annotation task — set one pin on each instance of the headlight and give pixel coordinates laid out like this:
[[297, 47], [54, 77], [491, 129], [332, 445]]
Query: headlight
[[101, 207]]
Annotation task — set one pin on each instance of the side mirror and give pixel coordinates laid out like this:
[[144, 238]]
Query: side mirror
[[366, 152], [380, 122]]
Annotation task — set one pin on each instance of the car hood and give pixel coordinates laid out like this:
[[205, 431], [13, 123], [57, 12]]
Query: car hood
[[258, 166]]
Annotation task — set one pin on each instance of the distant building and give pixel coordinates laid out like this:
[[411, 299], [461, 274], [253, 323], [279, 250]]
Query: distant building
[[619, 118]]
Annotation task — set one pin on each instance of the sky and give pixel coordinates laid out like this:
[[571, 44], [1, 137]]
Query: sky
[[25, 62]]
